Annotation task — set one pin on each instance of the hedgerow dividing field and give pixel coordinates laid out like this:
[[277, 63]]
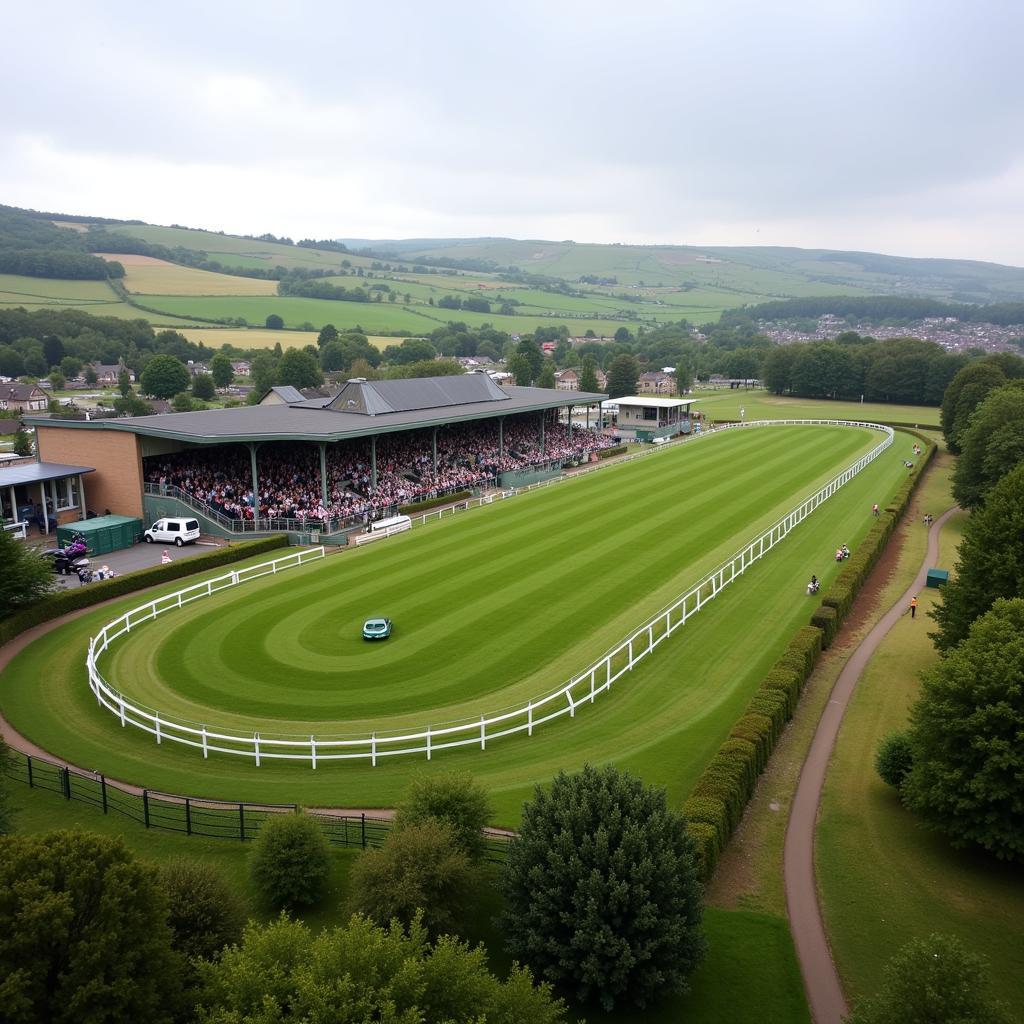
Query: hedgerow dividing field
[[490, 609]]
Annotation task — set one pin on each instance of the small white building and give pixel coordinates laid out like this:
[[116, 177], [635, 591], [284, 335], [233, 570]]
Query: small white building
[[646, 417]]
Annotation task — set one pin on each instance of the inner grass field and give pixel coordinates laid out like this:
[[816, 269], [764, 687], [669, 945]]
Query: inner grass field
[[491, 608]]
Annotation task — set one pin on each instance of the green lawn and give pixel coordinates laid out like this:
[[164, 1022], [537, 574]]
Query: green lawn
[[883, 878], [757, 404], [750, 971], [594, 582]]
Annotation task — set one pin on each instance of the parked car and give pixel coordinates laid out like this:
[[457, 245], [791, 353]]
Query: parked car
[[376, 629], [173, 531]]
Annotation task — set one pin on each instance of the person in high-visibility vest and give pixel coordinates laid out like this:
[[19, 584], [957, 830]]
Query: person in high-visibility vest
[[913, 607]]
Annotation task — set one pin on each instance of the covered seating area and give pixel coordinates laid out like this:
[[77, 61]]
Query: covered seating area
[[42, 495]]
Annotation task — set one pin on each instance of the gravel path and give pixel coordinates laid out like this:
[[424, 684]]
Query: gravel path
[[821, 980]]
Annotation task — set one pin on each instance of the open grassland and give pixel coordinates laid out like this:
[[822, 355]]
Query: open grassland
[[750, 967], [147, 275], [96, 297], [372, 316], [695, 503], [725, 404], [883, 878]]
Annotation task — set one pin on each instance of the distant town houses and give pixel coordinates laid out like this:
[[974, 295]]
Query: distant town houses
[[656, 382], [242, 367], [18, 397], [197, 369], [569, 380], [108, 373], [952, 334]]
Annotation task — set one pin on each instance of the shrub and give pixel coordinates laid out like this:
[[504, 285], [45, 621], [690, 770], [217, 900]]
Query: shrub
[[82, 597], [935, 980], [825, 618], [756, 729], [6, 814], [454, 799], [602, 891], [286, 973], [894, 758], [421, 506], [205, 914], [419, 870], [707, 845], [290, 861], [607, 453], [786, 681]]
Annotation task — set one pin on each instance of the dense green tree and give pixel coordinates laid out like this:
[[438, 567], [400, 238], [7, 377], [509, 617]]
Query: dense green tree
[[182, 402], [205, 914], [274, 322], [334, 356], [299, 369], [164, 376], [53, 350], [57, 380], [529, 349], [992, 444], [328, 333], [132, 405], [990, 561], [90, 376], [425, 368], [588, 375], [453, 799], [966, 391], [290, 861], [221, 370], [71, 367], [283, 973], [6, 811], [546, 379], [25, 578], [933, 981], [124, 383], [965, 734], [84, 937], [623, 334], [602, 891], [263, 373], [777, 370], [519, 367], [12, 363], [22, 442], [419, 869], [203, 387], [623, 374]]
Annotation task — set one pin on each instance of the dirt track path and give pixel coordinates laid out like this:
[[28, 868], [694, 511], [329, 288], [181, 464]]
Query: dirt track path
[[821, 980]]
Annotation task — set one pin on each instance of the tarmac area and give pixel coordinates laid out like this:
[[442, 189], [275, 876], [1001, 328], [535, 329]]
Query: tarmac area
[[138, 556]]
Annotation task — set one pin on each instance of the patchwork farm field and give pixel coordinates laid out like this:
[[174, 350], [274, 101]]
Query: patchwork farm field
[[491, 608], [146, 274], [258, 337]]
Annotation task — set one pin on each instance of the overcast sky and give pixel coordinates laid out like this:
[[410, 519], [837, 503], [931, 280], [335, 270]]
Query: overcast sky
[[893, 126]]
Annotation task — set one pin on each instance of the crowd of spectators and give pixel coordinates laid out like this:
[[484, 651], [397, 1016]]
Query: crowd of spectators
[[288, 474]]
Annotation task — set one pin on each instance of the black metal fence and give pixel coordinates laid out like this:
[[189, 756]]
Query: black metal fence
[[198, 816]]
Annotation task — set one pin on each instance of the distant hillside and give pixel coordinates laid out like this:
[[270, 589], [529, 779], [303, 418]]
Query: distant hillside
[[765, 271]]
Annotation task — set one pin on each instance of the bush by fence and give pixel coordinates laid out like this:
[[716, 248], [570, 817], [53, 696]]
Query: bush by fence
[[65, 601], [716, 803], [422, 506], [607, 453], [198, 816]]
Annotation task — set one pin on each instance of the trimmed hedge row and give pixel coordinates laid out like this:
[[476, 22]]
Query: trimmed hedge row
[[82, 597], [607, 453], [422, 506], [716, 804]]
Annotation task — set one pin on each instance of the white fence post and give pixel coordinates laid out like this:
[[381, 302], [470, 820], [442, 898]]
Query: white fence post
[[205, 751], [312, 750]]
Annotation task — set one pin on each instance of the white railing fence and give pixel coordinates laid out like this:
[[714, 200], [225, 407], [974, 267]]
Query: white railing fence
[[581, 689]]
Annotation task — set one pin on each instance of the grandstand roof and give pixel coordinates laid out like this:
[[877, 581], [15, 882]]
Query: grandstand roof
[[654, 401], [381, 407]]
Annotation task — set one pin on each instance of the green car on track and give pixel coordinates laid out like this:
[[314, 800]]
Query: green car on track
[[376, 629]]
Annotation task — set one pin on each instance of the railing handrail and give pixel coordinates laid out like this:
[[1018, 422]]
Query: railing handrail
[[566, 698]]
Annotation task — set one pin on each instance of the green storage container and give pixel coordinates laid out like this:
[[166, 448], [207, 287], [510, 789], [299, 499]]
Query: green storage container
[[103, 534], [937, 577]]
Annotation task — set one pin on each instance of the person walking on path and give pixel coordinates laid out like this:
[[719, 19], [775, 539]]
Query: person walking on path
[[913, 607], [874, 510]]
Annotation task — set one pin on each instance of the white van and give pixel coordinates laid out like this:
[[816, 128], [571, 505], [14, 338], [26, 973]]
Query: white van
[[173, 531]]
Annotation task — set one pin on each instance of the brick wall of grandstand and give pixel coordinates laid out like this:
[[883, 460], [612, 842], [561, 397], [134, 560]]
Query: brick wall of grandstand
[[218, 480]]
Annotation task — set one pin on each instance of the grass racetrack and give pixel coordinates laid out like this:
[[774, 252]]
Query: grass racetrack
[[490, 609]]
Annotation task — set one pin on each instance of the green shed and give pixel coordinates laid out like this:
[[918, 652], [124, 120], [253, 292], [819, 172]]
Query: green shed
[[937, 577], [103, 534]]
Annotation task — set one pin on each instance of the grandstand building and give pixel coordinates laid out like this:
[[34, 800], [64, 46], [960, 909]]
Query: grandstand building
[[328, 463]]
